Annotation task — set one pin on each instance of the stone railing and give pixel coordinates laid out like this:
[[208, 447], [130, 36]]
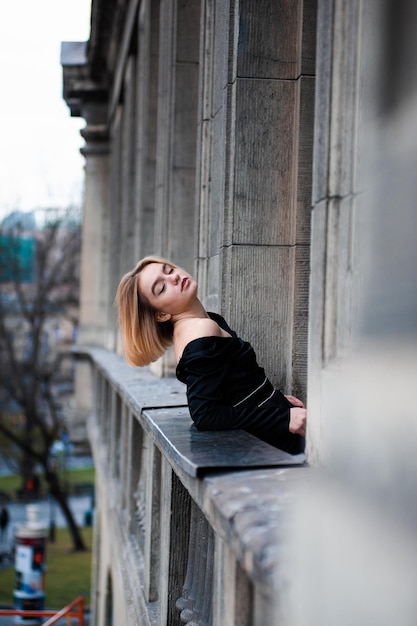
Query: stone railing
[[189, 525]]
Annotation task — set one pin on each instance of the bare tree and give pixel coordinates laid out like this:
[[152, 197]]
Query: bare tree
[[39, 278]]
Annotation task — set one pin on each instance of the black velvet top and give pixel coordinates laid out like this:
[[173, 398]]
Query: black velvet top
[[228, 390]]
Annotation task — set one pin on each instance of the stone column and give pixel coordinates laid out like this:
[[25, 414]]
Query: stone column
[[342, 139], [96, 323], [146, 127], [87, 98], [177, 134], [176, 138], [95, 296], [255, 141], [354, 538]]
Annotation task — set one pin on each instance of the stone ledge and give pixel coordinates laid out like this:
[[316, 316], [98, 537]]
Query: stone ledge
[[250, 510], [197, 452], [243, 485], [137, 386], [162, 406]]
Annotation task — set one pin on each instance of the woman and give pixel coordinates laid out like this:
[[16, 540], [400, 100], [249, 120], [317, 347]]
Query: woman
[[226, 388]]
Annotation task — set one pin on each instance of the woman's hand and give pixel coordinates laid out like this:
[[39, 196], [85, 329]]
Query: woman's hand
[[295, 401], [298, 421]]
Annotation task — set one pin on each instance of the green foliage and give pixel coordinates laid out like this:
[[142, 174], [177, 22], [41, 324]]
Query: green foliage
[[81, 476], [75, 477], [10, 485]]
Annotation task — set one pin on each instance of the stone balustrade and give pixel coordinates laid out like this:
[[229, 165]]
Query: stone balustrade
[[190, 526]]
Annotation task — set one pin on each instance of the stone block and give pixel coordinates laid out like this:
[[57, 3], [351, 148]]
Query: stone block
[[261, 171], [305, 139], [316, 321], [212, 298], [345, 90], [308, 42], [185, 115], [340, 291], [322, 101], [180, 241], [258, 292], [300, 321], [220, 52], [268, 41], [217, 181], [187, 32]]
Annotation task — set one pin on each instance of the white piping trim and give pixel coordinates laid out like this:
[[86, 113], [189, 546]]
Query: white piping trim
[[266, 399], [251, 394]]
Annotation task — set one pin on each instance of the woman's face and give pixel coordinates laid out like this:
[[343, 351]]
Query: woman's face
[[168, 289]]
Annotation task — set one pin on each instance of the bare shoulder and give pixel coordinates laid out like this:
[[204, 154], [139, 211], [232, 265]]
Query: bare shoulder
[[202, 327], [196, 328]]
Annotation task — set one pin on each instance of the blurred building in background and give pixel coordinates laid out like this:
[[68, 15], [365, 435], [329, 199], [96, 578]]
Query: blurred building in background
[[39, 280], [270, 148]]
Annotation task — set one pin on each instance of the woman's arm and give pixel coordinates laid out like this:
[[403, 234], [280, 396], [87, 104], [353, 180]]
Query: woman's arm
[[295, 401], [298, 416], [298, 421], [210, 416]]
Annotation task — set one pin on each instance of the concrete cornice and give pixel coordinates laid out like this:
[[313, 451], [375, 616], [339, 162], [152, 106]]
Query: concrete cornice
[[96, 138], [78, 87]]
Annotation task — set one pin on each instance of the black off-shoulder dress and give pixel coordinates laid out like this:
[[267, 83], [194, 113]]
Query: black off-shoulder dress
[[228, 390]]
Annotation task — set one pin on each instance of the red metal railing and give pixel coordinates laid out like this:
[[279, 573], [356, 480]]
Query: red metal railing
[[55, 616]]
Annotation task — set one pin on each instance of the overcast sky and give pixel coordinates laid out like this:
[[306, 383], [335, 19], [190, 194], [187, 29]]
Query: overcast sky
[[40, 163]]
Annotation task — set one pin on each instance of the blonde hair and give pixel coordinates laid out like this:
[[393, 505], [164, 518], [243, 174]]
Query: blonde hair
[[144, 339]]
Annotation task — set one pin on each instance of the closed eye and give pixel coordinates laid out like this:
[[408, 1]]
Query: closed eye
[[166, 269]]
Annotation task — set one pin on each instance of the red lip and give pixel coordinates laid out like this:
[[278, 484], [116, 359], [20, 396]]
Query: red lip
[[184, 283]]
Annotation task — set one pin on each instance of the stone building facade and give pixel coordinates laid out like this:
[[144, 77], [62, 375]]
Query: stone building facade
[[268, 147]]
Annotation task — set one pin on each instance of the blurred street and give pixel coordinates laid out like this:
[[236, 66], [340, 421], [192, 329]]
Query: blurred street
[[80, 505], [49, 511], [72, 462]]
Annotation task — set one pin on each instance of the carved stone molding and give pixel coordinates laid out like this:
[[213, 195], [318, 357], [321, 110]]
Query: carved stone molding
[[195, 602]]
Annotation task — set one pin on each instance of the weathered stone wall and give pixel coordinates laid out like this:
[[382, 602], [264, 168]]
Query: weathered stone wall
[[214, 119], [190, 526], [343, 120], [208, 109], [254, 175], [353, 533]]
